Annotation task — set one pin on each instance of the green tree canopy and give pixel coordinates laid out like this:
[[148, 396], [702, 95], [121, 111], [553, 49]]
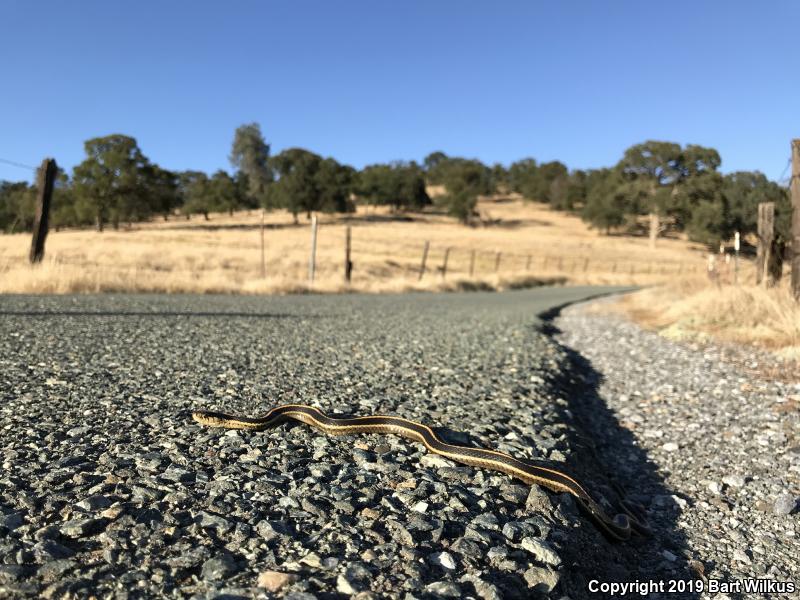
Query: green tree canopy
[[335, 185], [499, 181], [307, 182], [17, 202], [112, 182], [464, 180], [666, 180], [547, 182], [606, 202], [430, 163], [224, 193], [400, 185], [195, 193], [250, 155], [162, 190], [522, 177]]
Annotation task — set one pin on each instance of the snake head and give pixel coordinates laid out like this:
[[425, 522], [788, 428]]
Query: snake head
[[209, 418]]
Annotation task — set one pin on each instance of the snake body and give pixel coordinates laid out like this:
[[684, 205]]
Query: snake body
[[618, 528]]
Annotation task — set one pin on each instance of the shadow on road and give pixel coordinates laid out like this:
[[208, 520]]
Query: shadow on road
[[607, 458]]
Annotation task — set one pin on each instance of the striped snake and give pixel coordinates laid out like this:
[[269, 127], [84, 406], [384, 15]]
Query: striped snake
[[617, 528]]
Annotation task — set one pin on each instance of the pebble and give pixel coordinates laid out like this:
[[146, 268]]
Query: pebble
[[12, 521], [444, 560], [94, 503], [347, 585], [274, 581], [47, 550], [785, 504], [217, 568], [444, 589], [11, 573], [82, 527], [541, 551], [420, 507], [541, 580], [734, 481]]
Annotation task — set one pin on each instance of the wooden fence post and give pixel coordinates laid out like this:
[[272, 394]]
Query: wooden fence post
[[348, 264], [312, 260], [263, 260], [472, 263], [794, 187], [766, 224], [444, 262], [424, 259], [497, 262], [45, 180]]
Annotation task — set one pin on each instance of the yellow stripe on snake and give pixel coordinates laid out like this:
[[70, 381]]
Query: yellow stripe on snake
[[619, 528]]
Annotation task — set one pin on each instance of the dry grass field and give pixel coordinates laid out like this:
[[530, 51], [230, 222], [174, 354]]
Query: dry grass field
[[222, 255]]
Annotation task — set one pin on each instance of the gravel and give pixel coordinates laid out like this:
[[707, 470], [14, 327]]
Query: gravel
[[724, 442], [108, 488]]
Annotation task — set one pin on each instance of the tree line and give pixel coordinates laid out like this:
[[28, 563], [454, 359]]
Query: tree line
[[656, 187]]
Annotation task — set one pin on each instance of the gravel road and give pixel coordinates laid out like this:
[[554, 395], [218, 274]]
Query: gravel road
[[723, 432], [108, 489]]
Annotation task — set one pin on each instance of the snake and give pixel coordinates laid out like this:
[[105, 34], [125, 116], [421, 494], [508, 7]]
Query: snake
[[620, 527]]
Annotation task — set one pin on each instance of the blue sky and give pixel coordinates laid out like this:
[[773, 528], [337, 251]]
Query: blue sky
[[376, 81]]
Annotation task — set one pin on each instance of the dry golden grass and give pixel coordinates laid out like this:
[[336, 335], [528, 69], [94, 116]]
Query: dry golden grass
[[696, 308], [222, 255]]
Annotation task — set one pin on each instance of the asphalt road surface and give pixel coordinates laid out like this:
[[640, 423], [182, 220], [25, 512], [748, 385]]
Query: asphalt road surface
[[109, 489]]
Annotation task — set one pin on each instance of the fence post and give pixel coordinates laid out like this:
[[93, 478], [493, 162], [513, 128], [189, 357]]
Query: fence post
[[45, 180], [312, 261], [766, 224], [528, 263], [424, 259], [794, 187], [497, 262], [472, 263], [348, 264], [444, 262], [263, 260]]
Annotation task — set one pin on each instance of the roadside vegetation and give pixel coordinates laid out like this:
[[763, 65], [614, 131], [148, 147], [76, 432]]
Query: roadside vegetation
[[691, 309]]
